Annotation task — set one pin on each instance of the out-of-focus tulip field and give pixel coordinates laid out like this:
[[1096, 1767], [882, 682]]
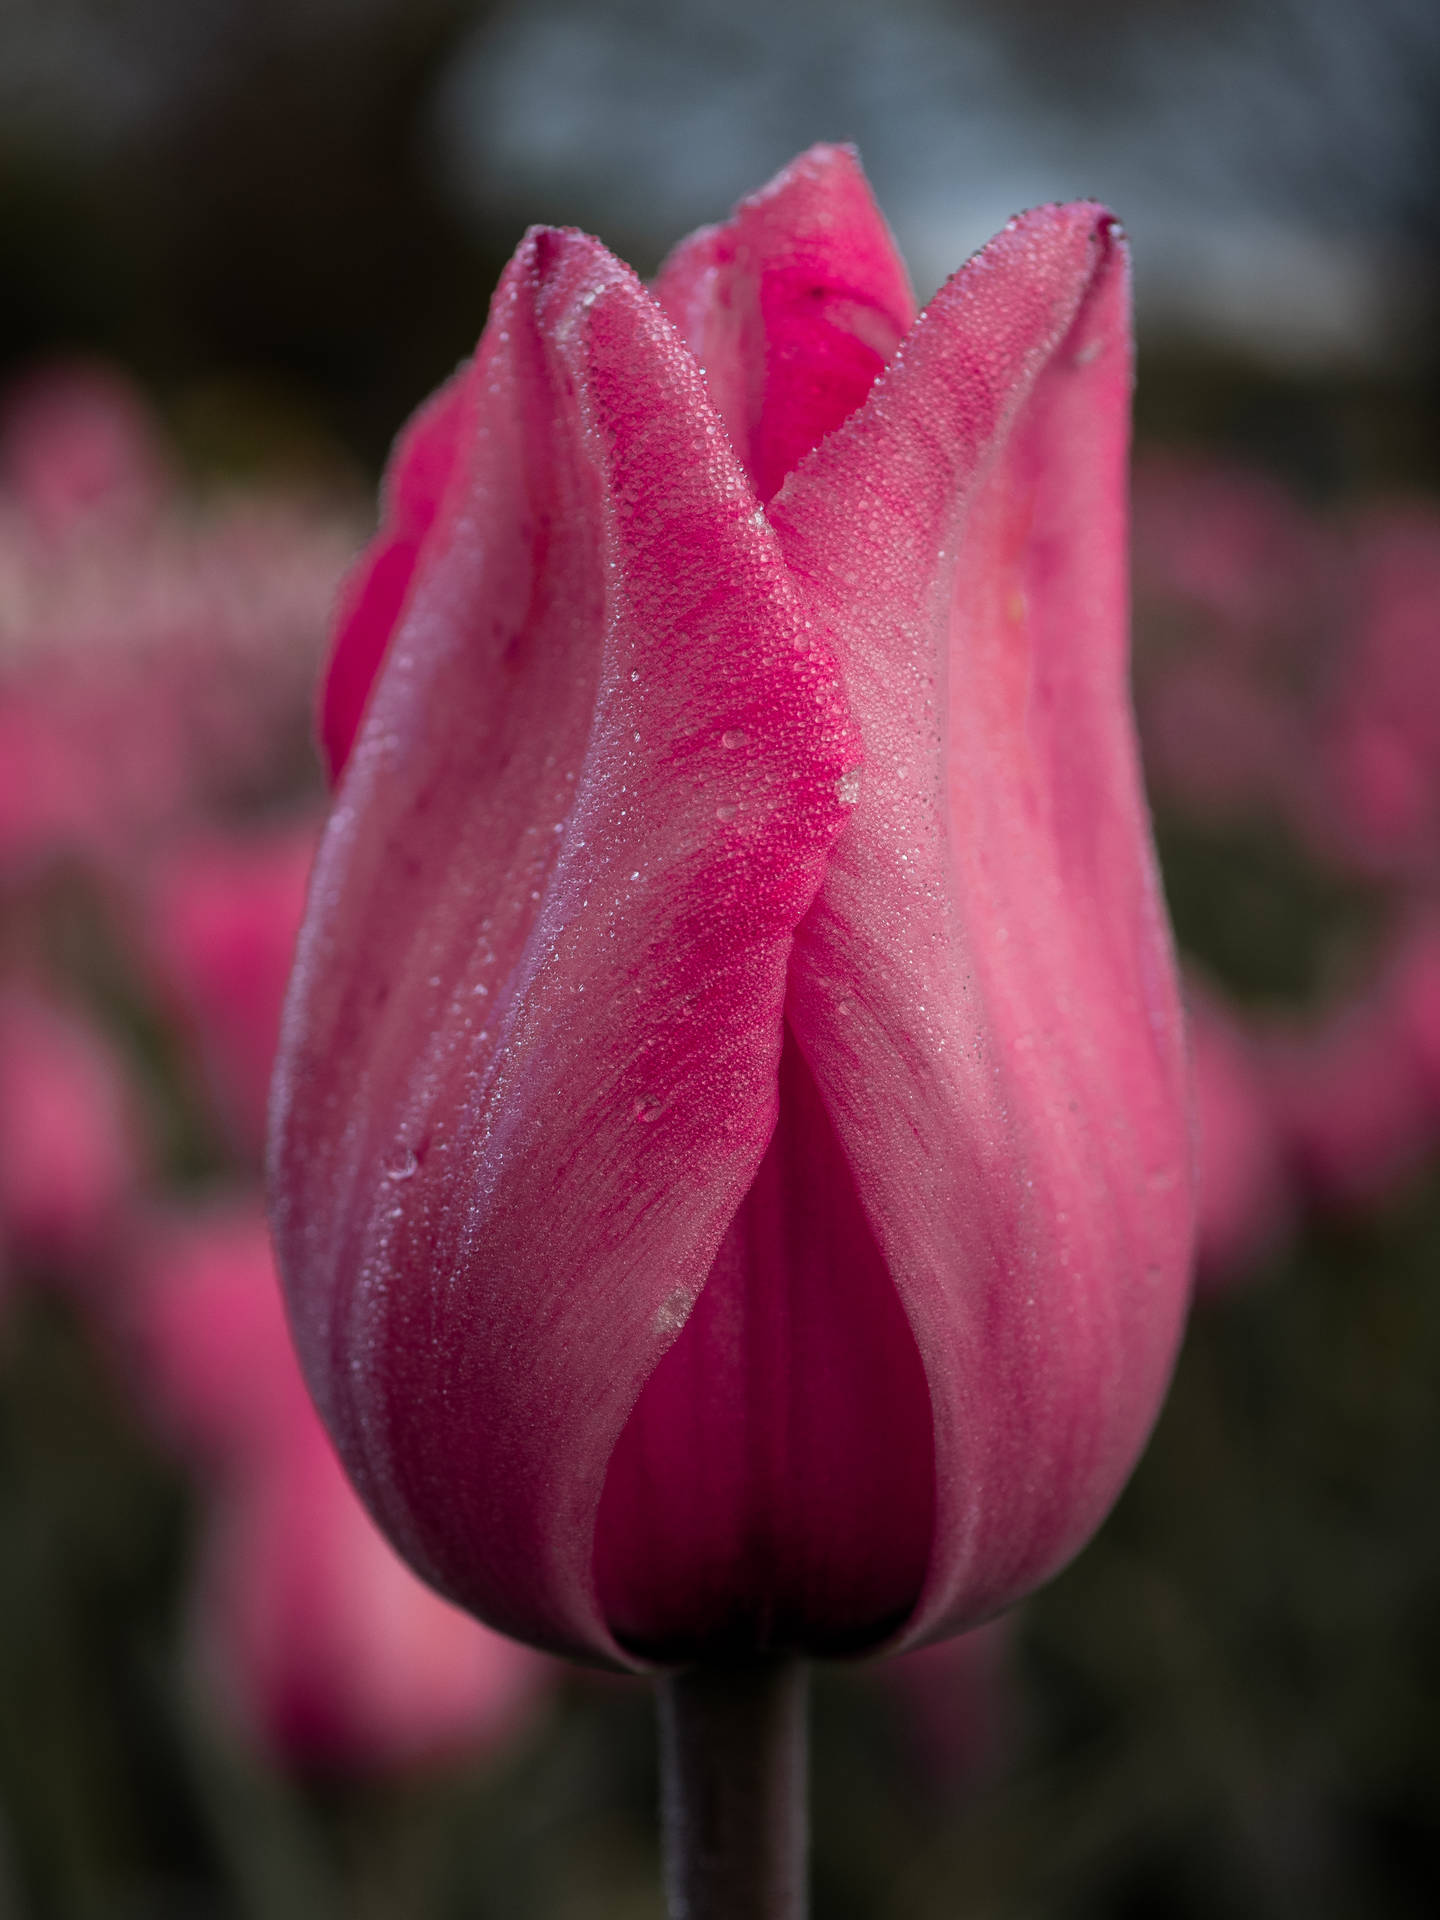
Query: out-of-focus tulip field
[[220, 1692]]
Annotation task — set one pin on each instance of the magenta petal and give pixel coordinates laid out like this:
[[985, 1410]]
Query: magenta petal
[[984, 989], [793, 306], [529, 1061], [373, 596], [774, 1485]]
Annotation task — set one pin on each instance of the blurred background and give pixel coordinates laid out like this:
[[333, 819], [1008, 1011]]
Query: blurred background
[[241, 239]]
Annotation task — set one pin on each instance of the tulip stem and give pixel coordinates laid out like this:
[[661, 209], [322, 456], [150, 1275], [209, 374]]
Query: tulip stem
[[733, 1791]]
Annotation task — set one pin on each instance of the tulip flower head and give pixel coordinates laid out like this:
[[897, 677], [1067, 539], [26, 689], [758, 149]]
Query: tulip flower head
[[730, 1159]]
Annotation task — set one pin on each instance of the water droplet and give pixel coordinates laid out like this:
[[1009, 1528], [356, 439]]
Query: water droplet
[[734, 737], [673, 1311], [636, 874], [405, 1168], [725, 812], [635, 676], [847, 787], [648, 1108]]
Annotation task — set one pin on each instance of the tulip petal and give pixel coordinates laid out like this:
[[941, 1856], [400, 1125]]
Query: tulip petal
[[529, 1060], [373, 597], [984, 988], [773, 1488], [793, 306]]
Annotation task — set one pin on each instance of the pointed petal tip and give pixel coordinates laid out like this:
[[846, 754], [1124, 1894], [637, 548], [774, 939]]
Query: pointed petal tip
[[823, 161], [1056, 224], [560, 256]]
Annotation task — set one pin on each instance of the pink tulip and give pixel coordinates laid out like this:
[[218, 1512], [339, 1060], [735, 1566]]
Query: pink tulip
[[315, 1637], [730, 1158]]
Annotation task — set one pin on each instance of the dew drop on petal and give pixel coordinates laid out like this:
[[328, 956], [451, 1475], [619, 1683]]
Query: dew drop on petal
[[649, 1107], [733, 737], [847, 787], [405, 1168]]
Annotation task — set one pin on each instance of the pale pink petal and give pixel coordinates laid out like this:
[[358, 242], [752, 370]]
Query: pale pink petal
[[793, 307], [984, 989], [529, 1064]]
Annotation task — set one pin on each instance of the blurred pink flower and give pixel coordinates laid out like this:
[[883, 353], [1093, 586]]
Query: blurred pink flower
[[961, 1704], [1221, 551], [72, 1138], [314, 1636], [1288, 671], [1245, 1200], [1383, 745], [219, 919], [1415, 997], [1288, 664], [81, 455], [1350, 1095], [156, 655]]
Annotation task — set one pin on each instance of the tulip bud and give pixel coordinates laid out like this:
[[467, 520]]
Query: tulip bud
[[730, 1157]]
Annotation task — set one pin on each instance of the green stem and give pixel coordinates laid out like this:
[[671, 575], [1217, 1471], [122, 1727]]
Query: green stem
[[733, 1791]]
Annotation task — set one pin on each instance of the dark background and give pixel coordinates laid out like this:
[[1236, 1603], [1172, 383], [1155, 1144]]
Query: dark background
[[284, 217]]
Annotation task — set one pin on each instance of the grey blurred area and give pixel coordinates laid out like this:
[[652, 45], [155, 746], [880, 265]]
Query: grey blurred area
[[1274, 159], [323, 183]]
